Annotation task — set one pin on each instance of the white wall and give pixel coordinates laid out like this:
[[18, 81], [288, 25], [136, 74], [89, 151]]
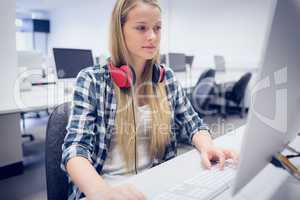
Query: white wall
[[85, 25], [81, 25], [10, 137], [233, 28], [8, 56]]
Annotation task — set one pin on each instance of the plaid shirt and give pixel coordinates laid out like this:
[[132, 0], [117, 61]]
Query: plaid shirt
[[92, 119]]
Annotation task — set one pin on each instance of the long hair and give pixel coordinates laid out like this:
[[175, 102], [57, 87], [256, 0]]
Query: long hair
[[154, 94]]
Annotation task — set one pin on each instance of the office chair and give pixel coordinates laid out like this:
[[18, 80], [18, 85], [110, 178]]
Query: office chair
[[234, 95], [209, 73], [202, 95], [24, 134], [57, 181]]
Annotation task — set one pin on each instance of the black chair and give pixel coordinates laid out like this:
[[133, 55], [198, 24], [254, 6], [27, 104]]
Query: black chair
[[209, 73], [57, 181], [235, 94], [202, 95], [25, 134]]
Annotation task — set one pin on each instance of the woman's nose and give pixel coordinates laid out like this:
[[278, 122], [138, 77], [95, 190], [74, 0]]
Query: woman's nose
[[151, 35]]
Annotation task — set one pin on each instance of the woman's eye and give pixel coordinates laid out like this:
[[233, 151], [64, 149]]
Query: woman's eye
[[141, 28], [157, 28]]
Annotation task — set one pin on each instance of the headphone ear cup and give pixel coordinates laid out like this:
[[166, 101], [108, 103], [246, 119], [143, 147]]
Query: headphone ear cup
[[131, 76], [158, 73], [123, 76]]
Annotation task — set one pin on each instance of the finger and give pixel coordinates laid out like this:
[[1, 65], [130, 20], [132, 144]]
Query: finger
[[221, 158], [230, 154], [205, 160]]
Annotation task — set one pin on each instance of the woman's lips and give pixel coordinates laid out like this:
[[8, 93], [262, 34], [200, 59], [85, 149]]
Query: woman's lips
[[149, 47]]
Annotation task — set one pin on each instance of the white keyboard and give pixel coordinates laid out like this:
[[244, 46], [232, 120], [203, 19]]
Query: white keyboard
[[206, 185]]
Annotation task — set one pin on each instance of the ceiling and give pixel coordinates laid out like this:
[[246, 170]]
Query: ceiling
[[37, 4]]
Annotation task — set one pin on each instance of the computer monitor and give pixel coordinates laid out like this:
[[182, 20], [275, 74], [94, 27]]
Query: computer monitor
[[163, 59], [274, 118], [219, 63], [177, 62], [189, 60], [69, 62]]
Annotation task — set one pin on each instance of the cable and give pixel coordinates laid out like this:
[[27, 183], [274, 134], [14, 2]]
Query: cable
[[135, 138], [293, 150], [283, 162]]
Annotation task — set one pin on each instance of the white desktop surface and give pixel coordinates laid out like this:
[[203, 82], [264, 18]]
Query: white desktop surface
[[35, 99], [162, 177], [39, 97], [190, 78]]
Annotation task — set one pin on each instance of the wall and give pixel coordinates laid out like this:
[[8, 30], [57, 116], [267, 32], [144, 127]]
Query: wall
[[85, 25], [81, 25], [10, 137], [8, 63], [232, 28]]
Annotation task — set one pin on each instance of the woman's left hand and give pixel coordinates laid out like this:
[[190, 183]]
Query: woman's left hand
[[213, 153]]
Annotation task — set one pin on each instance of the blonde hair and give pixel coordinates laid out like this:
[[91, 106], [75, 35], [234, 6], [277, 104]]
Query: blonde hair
[[155, 94]]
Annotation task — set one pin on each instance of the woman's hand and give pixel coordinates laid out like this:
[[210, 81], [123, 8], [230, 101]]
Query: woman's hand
[[122, 192], [209, 152], [213, 153]]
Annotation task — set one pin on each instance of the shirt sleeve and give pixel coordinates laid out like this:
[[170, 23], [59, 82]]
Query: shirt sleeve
[[185, 116], [80, 129]]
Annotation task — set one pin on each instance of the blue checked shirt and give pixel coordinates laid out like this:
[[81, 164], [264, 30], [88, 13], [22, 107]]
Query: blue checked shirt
[[92, 119]]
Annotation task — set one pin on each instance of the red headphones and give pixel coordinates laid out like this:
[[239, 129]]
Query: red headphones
[[124, 76]]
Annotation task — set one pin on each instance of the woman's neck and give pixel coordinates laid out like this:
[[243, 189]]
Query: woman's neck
[[139, 67]]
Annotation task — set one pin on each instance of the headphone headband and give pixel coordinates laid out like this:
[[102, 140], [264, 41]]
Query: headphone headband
[[124, 76]]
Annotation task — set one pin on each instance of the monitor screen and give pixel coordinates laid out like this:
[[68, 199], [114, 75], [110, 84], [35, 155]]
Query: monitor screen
[[41, 25], [69, 62], [177, 62], [275, 99], [189, 60], [219, 63]]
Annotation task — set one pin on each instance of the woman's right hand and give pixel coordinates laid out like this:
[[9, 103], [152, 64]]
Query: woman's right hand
[[121, 192]]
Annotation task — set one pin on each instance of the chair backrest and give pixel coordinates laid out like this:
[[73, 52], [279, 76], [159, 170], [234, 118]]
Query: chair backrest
[[57, 181], [239, 88], [209, 73], [202, 93]]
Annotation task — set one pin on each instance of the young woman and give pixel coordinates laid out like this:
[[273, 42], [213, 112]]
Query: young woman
[[126, 114]]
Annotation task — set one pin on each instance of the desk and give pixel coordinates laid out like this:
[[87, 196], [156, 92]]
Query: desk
[[185, 166], [190, 78], [38, 98]]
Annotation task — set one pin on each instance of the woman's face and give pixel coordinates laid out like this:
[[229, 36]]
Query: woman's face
[[142, 31]]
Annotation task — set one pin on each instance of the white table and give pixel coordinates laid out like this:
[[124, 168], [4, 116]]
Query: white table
[[190, 78], [162, 177], [38, 98]]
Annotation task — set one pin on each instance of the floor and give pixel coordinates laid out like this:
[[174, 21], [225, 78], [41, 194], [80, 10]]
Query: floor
[[31, 185]]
